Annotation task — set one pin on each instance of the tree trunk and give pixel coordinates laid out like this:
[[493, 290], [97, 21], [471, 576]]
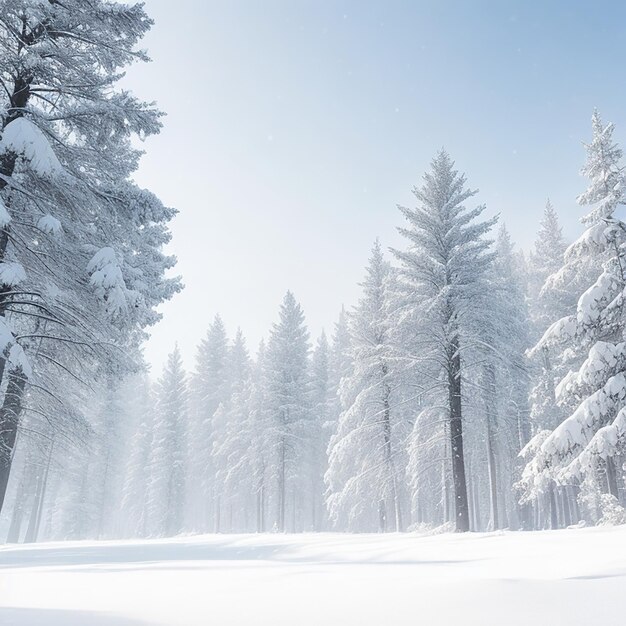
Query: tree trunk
[[445, 497], [493, 487], [217, 521], [382, 516], [12, 407], [567, 514], [491, 421], [17, 515], [461, 508], [554, 522], [611, 479], [281, 487], [476, 506], [31, 531], [260, 526], [391, 471], [9, 421]]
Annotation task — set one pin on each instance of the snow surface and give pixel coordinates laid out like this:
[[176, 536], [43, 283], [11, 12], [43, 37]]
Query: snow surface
[[574, 577]]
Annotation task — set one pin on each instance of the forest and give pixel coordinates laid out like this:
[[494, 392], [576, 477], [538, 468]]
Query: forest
[[474, 386]]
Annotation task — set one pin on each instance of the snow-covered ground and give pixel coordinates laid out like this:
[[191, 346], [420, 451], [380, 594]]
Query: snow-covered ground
[[572, 577]]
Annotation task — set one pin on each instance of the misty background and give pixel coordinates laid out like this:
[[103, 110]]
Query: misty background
[[294, 128]]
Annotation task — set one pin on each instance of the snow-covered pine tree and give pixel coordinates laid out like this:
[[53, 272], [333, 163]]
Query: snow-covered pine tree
[[546, 259], [209, 388], [166, 485], [259, 460], [81, 267], [364, 467], [108, 445], [141, 409], [444, 273], [340, 366], [547, 301], [501, 327], [288, 403], [586, 444], [232, 443], [321, 407]]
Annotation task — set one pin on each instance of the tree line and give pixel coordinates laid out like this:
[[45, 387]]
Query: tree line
[[471, 387]]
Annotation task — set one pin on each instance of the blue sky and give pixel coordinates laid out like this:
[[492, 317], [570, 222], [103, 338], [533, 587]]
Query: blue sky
[[294, 128]]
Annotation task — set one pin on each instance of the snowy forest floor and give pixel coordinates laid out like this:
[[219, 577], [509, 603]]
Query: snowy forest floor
[[571, 577]]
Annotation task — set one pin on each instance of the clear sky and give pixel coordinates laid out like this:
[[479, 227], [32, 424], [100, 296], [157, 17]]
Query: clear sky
[[294, 128]]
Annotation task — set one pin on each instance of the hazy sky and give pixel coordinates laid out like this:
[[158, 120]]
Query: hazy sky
[[294, 128]]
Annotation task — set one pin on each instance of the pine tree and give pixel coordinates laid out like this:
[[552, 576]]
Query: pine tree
[[591, 339], [364, 469], [546, 259], [547, 301], [261, 454], [444, 274], [232, 442], [135, 486], [321, 416], [503, 378], [209, 388], [81, 266], [288, 397], [340, 366], [166, 487]]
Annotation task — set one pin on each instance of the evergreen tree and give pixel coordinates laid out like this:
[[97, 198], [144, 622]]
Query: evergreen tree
[[547, 300], [232, 442], [364, 471], [586, 443], [321, 416], [209, 388], [445, 276], [135, 486], [546, 259], [340, 366], [288, 398], [166, 488], [503, 378], [81, 266]]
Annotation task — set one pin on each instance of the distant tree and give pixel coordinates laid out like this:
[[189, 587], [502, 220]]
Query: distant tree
[[166, 486], [288, 398], [136, 470], [363, 473], [232, 441], [209, 388], [321, 415]]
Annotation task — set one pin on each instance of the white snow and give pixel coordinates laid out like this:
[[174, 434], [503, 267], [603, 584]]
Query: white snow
[[49, 224], [108, 280], [5, 218], [23, 137], [573, 577], [11, 273]]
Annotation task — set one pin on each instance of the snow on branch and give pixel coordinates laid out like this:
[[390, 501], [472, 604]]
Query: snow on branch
[[606, 443], [577, 430], [5, 218], [108, 282], [25, 139], [12, 351], [11, 273], [49, 225]]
